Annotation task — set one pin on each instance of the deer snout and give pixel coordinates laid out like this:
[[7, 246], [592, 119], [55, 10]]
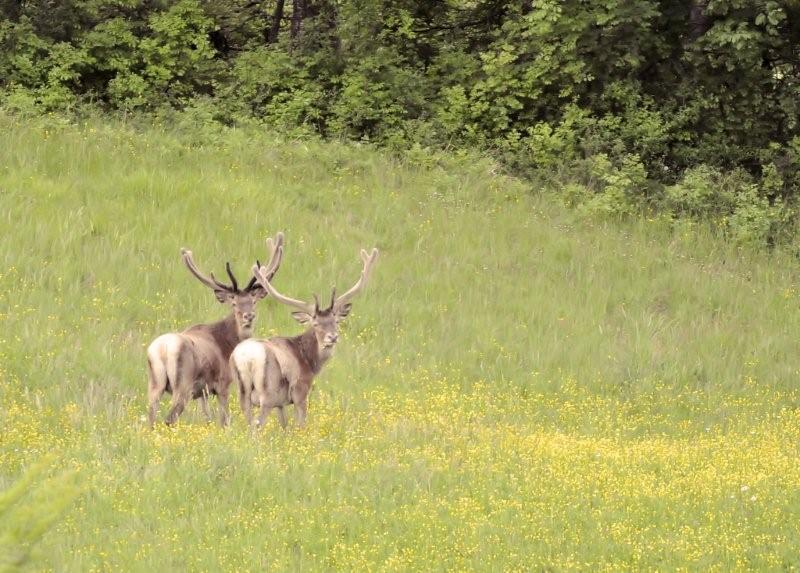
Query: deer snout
[[330, 339], [249, 317]]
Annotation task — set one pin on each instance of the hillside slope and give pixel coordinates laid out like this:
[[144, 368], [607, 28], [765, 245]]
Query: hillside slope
[[518, 386]]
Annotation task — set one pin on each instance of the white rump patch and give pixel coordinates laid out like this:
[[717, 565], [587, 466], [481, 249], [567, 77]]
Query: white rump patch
[[164, 346], [249, 357]]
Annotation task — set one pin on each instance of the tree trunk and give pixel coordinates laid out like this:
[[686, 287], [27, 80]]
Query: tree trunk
[[699, 22], [275, 27], [298, 13], [11, 10]]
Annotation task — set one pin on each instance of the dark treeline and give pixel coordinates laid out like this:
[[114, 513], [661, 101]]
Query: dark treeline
[[689, 105]]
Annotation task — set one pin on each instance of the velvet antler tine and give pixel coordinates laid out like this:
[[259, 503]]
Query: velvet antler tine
[[258, 272], [209, 281], [369, 261], [233, 278]]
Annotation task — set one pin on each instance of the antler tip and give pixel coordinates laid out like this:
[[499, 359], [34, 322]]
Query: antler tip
[[371, 256], [277, 241]]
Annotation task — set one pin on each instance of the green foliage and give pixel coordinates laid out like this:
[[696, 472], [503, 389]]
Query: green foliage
[[757, 221], [541, 86], [750, 213], [267, 83], [518, 388], [114, 46], [177, 54], [29, 508], [165, 60], [22, 54], [41, 73], [606, 188], [703, 192], [376, 97], [170, 65], [618, 185]]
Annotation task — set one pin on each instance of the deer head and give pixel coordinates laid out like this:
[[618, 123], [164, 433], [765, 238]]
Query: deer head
[[242, 301], [323, 322]]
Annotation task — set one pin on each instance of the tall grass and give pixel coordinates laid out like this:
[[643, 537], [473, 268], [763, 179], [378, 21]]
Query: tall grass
[[508, 359]]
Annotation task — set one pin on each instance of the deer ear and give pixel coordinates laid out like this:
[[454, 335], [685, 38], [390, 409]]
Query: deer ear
[[302, 317], [343, 311], [223, 296], [258, 293]]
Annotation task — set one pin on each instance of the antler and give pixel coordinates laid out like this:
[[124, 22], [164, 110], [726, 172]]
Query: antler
[[233, 278], [369, 260], [209, 281], [261, 276], [275, 250]]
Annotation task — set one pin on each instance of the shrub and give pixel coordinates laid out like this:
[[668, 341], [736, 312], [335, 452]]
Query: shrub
[[24, 524], [268, 83], [749, 212]]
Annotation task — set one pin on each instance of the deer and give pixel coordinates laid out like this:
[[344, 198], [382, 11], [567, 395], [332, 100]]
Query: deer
[[194, 363], [273, 373]]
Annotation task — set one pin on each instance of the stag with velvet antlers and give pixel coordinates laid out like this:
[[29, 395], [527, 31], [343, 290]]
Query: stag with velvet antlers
[[194, 363], [279, 371]]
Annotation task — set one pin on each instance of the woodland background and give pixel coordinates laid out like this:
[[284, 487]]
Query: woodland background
[[688, 109], [579, 347]]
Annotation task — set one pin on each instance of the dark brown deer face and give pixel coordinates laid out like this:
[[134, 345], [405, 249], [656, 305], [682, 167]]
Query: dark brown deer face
[[243, 304], [325, 323], [242, 301]]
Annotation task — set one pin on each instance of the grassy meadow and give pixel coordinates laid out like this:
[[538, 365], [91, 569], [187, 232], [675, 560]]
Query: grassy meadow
[[519, 388]]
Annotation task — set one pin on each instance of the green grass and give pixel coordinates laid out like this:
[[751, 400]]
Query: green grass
[[518, 387]]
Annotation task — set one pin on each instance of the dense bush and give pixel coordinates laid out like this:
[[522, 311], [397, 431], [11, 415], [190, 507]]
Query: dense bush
[[29, 508], [628, 105]]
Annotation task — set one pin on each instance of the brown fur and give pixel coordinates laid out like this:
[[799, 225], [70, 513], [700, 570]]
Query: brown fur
[[201, 367], [280, 371], [193, 364], [306, 350]]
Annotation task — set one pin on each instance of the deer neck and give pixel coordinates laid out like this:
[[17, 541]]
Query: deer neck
[[226, 334], [309, 351]]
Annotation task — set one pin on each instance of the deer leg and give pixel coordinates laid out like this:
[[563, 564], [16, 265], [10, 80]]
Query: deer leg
[[300, 400], [268, 383], [247, 406], [178, 404], [267, 404], [226, 378], [300, 413], [153, 397], [182, 385], [155, 389], [224, 413], [204, 404], [262, 415], [245, 388], [281, 412]]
